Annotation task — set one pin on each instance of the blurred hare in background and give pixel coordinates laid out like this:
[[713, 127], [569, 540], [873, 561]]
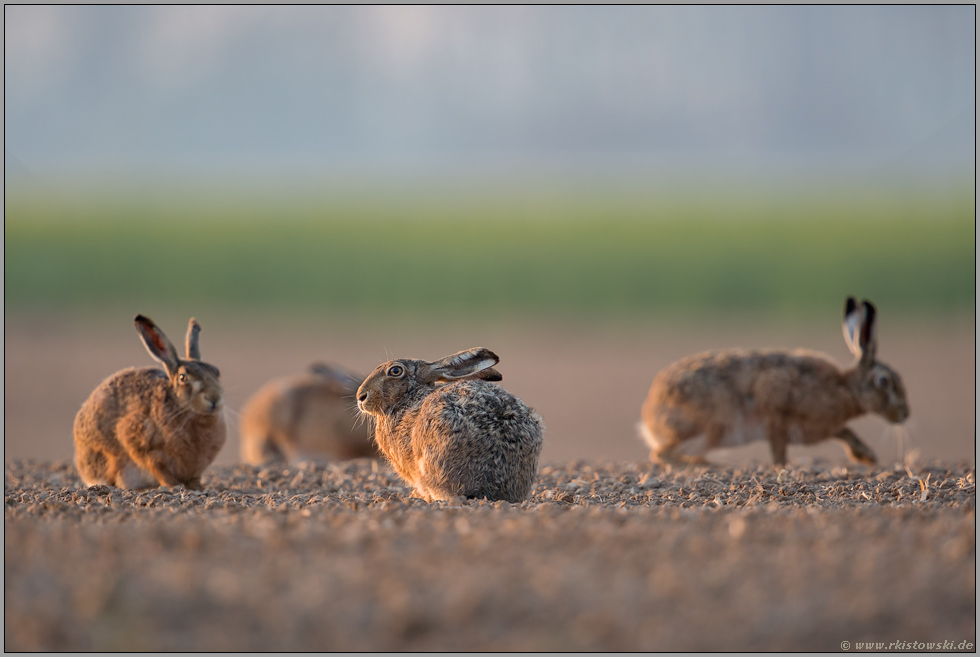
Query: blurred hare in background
[[730, 398], [305, 416]]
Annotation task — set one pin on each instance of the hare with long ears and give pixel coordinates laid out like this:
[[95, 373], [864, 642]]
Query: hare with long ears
[[144, 427], [468, 437], [305, 415], [730, 398]]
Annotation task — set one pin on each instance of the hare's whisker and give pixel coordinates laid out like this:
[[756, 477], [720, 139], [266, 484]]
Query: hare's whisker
[[360, 418], [905, 435], [231, 417], [173, 414]]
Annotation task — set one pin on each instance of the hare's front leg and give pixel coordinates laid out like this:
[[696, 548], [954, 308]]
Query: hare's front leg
[[162, 466], [778, 440], [422, 494], [194, 484], [855, 448], [142, 443]]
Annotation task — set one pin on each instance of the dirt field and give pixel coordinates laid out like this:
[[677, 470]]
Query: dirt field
[[619, 557]]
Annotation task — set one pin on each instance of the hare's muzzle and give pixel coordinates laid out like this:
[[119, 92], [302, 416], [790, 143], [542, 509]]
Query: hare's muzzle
[[209, 404], [900, 414]]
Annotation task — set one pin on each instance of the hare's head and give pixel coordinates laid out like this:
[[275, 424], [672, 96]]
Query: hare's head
[[391, 382], [879, 387], [196, 384]]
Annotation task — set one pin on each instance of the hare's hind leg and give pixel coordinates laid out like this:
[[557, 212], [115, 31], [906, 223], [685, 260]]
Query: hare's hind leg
[[103, 466], [661, 450], [662, 444], [261, 449], [94, 467], [692, 459], [855, 448], [714, 434], [666, 451]]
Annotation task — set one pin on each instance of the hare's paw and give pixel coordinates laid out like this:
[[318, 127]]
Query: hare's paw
[[678, 460], [422, 494], [861, 454], [855, 448]]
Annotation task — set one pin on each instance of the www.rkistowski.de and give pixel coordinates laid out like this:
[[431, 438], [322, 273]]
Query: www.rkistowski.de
[[908, 645]]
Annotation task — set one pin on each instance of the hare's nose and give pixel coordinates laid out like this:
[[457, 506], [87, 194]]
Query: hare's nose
[[362, 397]]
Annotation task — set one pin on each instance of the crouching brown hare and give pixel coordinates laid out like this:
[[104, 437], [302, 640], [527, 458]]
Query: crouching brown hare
[[730, 398], [467, 437], [144, 427]]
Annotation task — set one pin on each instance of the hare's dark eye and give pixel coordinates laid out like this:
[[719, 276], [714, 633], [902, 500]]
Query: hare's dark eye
[[182, 378], [881, 381], [395, 371]]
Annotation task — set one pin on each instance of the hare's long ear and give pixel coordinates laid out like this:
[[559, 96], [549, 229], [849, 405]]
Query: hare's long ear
[[851, 323], [193, 347], [867, 338], [336, 374], [469, 363], [158, 344], [489, 374], [859, 324]]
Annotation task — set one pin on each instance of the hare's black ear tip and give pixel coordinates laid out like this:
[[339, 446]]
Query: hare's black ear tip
[[850, 305], [142, 319]]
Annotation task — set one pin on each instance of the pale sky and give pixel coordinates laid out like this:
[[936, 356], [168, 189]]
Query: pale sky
[[211, 88]]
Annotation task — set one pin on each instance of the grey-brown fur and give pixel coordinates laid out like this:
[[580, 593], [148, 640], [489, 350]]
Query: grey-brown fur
[[144, 427], [468, 437], [733, 397], [306, 415]]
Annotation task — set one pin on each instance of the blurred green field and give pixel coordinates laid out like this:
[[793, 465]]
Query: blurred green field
[[538, 253]]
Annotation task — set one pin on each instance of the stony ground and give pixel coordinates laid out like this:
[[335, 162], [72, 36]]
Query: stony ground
[[615, 557]]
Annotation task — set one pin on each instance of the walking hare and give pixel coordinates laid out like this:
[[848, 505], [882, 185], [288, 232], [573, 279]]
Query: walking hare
[[144, 427], [469, 437], [307, 414], [731, 398]]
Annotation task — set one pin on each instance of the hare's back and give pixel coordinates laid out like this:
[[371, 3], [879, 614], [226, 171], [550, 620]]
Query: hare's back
[[275, 404], [742, 381], [137, 386], [480, 411], [477, 440]]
